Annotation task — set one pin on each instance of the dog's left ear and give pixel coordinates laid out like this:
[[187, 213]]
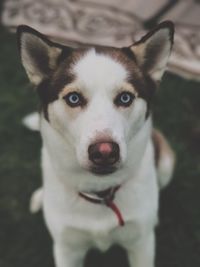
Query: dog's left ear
[[153, 50]]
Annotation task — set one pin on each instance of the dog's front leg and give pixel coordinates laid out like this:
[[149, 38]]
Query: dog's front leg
[[66, 256], [142, 253]]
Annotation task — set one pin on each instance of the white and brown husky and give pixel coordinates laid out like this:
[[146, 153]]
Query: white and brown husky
[[102, 162]]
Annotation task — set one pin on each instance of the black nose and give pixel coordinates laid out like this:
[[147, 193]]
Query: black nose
[[104, 153]]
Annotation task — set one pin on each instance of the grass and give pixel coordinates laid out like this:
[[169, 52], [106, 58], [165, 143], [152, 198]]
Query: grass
[[24, 240]]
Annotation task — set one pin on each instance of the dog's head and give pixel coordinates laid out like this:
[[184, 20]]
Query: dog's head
[[96, 98]]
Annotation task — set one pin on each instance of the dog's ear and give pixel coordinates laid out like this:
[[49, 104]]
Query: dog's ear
[[152, 50], [38, 54]]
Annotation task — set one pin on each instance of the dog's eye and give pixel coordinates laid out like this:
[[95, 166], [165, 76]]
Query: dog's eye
[[124, 99], [75, 99]]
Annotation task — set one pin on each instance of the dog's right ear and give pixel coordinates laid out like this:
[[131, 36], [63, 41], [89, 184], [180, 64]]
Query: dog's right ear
[[152, 50], [38, 54]]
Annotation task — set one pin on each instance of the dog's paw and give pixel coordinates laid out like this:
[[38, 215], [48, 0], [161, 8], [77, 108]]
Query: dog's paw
[[36, 200], [31, 121]]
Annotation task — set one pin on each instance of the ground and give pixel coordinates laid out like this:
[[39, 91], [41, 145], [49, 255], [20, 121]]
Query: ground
[[24, 240]]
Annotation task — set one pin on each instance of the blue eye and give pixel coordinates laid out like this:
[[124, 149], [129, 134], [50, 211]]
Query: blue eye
[[75, 99], [124, 99]]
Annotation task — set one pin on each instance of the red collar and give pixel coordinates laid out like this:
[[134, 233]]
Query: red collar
[[106, 198]]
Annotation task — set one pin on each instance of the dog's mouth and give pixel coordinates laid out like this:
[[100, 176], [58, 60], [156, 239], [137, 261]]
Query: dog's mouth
[[103, 170]]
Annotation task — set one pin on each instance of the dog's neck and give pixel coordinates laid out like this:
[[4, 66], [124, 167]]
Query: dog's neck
[[99, 197], [105, 197]]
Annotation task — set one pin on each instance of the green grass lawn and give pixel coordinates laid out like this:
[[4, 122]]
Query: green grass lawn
[[24, 240]]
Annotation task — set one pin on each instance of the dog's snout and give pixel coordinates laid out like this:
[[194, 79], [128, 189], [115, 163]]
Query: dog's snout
[[104, 153]]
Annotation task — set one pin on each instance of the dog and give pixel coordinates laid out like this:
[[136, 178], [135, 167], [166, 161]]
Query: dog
[[103, 164]]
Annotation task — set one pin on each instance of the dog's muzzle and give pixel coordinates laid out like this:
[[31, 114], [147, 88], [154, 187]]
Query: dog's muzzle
[[104, 156]]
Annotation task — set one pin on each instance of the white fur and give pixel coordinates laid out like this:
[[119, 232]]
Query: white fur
[[31, 121], [102, 71], [165, 170], [75, 224], [36, 200]]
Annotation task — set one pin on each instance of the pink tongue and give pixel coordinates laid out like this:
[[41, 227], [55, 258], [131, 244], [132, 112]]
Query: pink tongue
[[105, 148]]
